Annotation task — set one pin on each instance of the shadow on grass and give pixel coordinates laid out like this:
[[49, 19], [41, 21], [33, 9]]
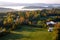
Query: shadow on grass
[[29, 29], [13, 36], [58, 36]]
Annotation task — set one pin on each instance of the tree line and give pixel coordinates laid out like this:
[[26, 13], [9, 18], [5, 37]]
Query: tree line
[[36, 18]]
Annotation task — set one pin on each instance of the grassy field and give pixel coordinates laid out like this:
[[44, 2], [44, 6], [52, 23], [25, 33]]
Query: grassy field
[[29, 33]]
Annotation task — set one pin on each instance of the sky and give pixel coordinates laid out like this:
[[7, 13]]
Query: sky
[[33, 1]]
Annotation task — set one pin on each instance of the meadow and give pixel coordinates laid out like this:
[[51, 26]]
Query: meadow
[[29, 33]]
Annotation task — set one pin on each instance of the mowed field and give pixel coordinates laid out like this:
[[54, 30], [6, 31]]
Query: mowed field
[[29, 33]]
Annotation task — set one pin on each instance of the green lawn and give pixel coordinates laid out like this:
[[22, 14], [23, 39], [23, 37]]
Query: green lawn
[[29, 33]]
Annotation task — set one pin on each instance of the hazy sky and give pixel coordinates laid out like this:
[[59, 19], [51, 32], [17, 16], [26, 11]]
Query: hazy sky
[[33, 1], [13, 2]]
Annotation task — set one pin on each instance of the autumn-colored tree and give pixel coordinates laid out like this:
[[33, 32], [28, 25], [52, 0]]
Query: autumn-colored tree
[[30, 22], [32, 12], [27, 14], [21, 19], [36, 15], [8, 19], [19, 13]]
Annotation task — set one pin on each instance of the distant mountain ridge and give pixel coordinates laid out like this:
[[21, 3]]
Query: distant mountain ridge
[[5, 9], [26, 6], [40, 7], [30, 5]]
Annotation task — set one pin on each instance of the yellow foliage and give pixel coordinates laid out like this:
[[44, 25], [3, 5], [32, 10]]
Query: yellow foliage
[[4, 22], [30, 22], [27, 14], [9, 20]]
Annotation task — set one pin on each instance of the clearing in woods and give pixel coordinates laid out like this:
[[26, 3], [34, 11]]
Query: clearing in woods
[[29, 33]]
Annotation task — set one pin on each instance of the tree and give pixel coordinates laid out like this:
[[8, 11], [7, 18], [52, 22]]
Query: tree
[[8, 21], [21, 19], [27, 15]]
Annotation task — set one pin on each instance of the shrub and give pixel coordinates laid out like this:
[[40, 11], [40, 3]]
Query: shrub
[[41, 23]]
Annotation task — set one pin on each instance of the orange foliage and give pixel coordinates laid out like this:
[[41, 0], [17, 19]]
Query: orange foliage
[[57, 25], [22, 19]]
